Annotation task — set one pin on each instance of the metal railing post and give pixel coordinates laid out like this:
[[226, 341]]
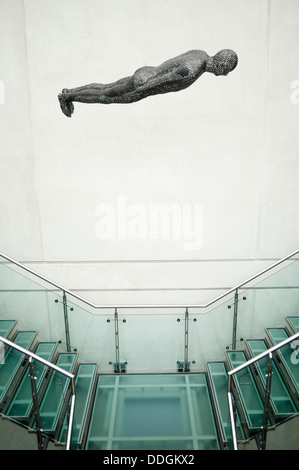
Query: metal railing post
[[267, 403], [71, 415], [66, 323], [232, 414], [40, 440], [186, 365], [235, 320], [117, 363]]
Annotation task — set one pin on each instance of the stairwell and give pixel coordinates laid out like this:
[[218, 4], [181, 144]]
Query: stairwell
[[149, 411]]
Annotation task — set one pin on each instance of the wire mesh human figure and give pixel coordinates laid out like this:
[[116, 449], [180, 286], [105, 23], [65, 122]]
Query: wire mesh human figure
[[173, 75]]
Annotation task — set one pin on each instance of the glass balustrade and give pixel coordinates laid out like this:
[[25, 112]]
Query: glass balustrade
[[149, 339], [164, 340], [269, 301], [32, 303]]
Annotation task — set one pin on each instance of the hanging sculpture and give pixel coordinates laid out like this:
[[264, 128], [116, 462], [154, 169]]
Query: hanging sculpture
[[173, 75]]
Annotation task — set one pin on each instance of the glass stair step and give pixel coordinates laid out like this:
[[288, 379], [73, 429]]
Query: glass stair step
[[10, 368], [166, 411], [53, 400], [251, 404], [84, 386], [288, 357], [6, 327], [218, 377], [281, 401], [49, 414], [293, 321], [20, 405]]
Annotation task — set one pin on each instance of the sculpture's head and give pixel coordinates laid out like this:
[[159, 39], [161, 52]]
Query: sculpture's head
[[223, 62]]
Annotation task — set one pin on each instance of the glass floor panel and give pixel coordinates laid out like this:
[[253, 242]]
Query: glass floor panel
[[141, 412]]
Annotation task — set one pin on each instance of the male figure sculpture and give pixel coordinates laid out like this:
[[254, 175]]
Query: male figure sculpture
[[173, 75]]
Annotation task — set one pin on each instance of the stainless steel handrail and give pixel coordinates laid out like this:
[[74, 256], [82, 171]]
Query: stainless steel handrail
[[148, 306], [251, 361], [38, 358], [57, 369], [263, 354], [71, 421]]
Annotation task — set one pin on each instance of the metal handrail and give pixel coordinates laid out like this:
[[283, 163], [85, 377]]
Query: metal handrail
[[71, 420], [35, 356], [251, 361], [146, 306], [57, 369], [263, 354]]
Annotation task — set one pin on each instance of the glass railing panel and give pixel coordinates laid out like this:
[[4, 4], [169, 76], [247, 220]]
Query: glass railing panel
[[268, 298], [204, 346], [33, 304], [150, 342], [269, 301], [92, 334], [283, 275]]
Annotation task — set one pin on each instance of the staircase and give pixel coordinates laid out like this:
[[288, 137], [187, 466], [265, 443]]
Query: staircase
[[148, 411]]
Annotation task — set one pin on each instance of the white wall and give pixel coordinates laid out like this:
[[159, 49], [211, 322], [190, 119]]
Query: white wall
[[228, 144]]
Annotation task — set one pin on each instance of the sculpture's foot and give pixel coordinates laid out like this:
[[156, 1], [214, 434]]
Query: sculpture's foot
[[66, 105]]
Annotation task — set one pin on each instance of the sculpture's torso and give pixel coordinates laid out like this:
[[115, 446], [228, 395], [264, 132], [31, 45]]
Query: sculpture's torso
[[172, 75]]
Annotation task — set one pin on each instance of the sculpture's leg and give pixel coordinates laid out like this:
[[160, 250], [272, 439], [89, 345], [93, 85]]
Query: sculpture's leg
[[96, 86], [66, 100]]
